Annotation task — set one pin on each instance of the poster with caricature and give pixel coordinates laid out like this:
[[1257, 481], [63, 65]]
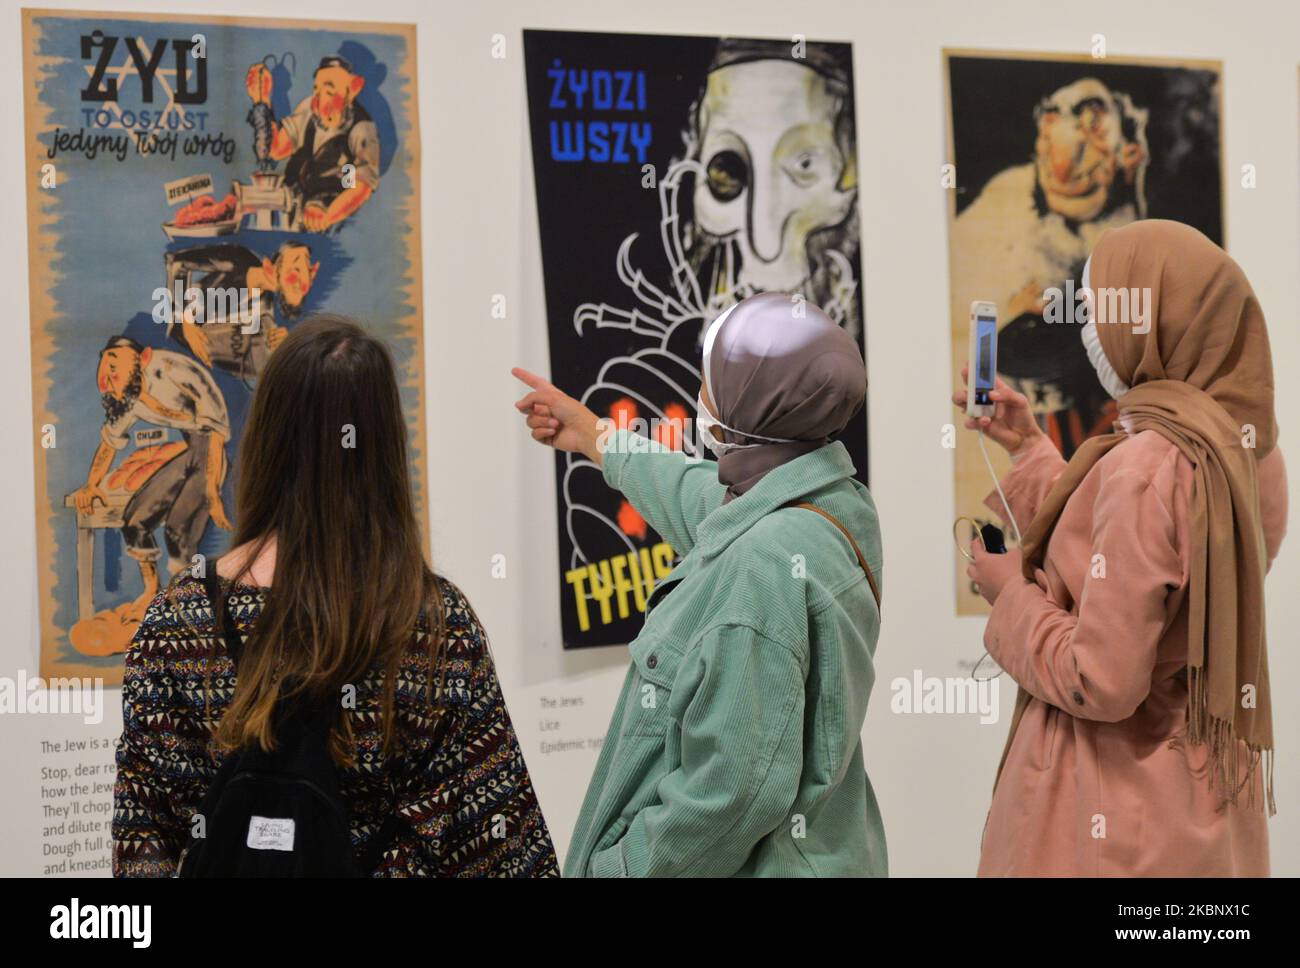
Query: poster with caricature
[[1046, 152], [674, 177], [196, 185]]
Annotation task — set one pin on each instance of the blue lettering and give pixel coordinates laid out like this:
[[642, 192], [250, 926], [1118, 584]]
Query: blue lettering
[[625, 82], [572, 149], [602, 90], [556, 74], [578, 89], [642, 143], [598, 141]]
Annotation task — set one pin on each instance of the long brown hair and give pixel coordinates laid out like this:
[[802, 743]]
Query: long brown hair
[[323, 472]]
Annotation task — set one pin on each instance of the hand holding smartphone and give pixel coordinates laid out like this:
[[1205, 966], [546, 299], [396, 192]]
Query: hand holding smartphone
[[989, 404]]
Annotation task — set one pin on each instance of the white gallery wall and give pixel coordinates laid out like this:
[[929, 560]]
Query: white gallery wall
[[493, 491]]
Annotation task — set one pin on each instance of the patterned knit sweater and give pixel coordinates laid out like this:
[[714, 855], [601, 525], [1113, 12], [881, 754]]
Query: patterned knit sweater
[[460, 781]]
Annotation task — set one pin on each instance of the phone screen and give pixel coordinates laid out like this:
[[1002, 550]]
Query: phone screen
[[986, 342]]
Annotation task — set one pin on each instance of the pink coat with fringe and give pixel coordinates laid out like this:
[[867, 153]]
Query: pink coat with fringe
[[1099, 780]]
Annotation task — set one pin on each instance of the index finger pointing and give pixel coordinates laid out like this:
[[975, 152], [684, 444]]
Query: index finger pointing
[[532, 379]]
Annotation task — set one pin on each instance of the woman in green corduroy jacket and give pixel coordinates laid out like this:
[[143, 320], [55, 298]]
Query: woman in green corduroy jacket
[[735, 747]]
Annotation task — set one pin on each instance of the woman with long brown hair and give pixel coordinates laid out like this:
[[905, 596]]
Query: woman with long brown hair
[[325, 602]]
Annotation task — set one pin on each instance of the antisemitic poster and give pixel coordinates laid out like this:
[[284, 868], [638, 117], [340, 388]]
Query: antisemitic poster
[[197, 185], [675, 176], [1049, 152]]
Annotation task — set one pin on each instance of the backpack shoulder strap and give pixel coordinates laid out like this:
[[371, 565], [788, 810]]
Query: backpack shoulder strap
[[862, 560], [368, 858], [221, 614]]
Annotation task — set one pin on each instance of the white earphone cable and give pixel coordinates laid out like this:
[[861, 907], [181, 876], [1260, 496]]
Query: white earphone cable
[[1011, 518]]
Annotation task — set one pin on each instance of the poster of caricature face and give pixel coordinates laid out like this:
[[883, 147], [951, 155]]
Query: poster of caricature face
[[197, 186], [1049, 152], [675, 176]]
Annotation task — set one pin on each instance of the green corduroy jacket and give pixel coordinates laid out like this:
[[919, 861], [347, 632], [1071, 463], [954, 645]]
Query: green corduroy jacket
[[735, 748]]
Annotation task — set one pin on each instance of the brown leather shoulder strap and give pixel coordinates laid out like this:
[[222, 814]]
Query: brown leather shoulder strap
[[862, 560]]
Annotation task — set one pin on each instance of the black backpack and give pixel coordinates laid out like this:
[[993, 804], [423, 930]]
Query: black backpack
[[278, 814]]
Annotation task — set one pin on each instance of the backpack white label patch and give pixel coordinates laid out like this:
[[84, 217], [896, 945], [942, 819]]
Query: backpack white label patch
[[270, 833]]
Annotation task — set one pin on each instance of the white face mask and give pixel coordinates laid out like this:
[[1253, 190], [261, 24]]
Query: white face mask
[[1110, 380], [705, 422]]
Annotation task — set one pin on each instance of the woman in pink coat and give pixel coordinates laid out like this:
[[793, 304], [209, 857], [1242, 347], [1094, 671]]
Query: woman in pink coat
[[1132, 618]]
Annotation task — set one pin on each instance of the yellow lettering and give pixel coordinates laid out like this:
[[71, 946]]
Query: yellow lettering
[[576, 577], [635, 572], [663, 556], [602, 589], [621, 585]]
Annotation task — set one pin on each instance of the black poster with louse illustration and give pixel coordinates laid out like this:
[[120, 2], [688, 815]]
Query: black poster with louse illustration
[[675, 176]]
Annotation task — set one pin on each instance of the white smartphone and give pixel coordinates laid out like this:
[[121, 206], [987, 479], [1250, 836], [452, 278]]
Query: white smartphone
[[982, 373]]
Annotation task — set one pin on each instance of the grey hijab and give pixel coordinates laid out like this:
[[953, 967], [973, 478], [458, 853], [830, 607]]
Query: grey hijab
[[778, 367]]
